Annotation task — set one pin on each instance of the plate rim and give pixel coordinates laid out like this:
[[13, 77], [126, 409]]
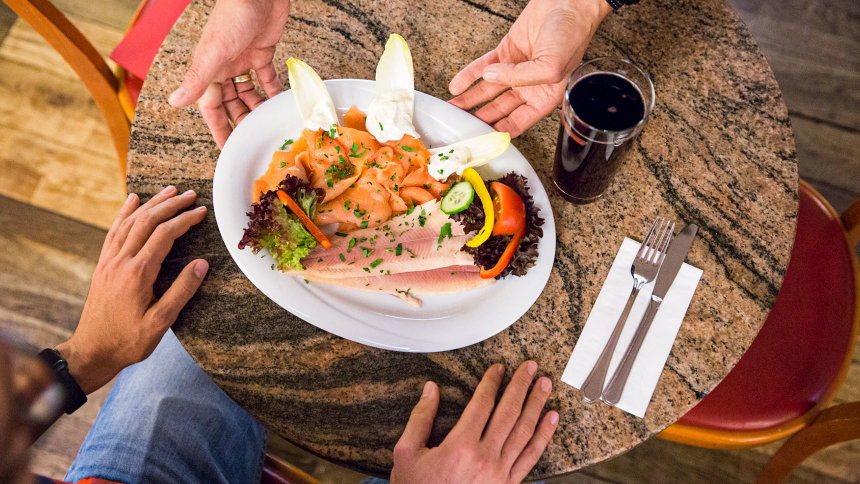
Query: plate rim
[[545, 210]]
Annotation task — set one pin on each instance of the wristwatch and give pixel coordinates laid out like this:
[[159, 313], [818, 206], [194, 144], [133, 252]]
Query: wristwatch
[[74, 397], [616, 4]]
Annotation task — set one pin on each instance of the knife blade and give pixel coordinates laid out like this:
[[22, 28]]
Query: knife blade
[[675, 255]]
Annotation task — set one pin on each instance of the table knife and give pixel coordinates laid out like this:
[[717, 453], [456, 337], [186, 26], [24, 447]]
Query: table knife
[[675, 256]]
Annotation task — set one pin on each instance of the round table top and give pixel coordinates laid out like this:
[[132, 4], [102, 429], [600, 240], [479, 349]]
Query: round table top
[[718, 151]]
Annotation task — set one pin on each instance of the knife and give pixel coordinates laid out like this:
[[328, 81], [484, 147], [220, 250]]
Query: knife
[[675, 256]]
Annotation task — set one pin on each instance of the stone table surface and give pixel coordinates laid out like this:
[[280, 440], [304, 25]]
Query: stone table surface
[[718, 151]]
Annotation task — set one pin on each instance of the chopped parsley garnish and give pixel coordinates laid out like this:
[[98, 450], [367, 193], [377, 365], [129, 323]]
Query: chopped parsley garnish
[[440, 171], [342, 258], [340, 234], [286, 143], [398, 250], [375, 263], [422, 219], [407, 148], [411, 254], [354, 148], [366, 252], [366, 269], [340, 169], [410, 209], [363, 224], [445, 232], [283, 164], [351, 244], [380, 127]]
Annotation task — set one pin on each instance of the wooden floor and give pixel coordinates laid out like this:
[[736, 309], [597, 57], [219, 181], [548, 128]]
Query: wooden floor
[[57, 155]]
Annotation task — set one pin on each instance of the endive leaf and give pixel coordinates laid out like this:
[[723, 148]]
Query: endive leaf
[[389, 115], [312, 97], [469, 153]]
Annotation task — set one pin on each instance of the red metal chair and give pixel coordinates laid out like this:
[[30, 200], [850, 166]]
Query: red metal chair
[[797, 363]]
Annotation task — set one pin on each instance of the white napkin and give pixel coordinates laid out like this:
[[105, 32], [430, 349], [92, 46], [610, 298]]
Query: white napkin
[[658, 342]]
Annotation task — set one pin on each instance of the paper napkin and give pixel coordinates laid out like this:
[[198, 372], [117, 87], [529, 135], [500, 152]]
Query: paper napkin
[[658, 342]]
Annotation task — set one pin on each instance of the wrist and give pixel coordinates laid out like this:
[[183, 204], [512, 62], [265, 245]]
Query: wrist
[[88, 371], [593, 10]]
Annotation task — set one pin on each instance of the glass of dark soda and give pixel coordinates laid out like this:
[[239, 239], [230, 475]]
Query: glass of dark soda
[[606, 104]]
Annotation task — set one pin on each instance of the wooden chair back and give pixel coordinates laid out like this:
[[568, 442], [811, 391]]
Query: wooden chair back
[[89, 65]]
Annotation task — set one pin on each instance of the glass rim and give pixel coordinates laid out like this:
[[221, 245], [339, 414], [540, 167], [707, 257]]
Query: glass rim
[[649, 105]]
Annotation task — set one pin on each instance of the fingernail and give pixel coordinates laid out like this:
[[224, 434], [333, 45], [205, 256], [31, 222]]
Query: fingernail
[[201, 208], [201, 268], [500, 369], [167, 189], [545, 384], [175, 96], [428, 389], [531, 367], [129, 198], [491, 76], [553, 418], [187, 192]]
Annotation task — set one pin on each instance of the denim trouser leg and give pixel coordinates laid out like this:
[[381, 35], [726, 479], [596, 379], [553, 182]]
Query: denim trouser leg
[[165, 420]]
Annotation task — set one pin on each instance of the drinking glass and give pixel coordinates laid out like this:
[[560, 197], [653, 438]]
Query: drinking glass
[[606, 103]]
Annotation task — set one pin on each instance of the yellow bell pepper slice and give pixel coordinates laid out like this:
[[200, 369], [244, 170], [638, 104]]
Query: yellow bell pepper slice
[[472, 176]]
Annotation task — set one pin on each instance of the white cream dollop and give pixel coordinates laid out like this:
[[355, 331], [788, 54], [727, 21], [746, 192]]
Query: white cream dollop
[[469, 153], [389, 115], [311, 95], [448, 161]]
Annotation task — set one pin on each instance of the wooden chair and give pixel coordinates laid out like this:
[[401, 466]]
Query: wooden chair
[[109, 90], [784, 383], [115, 93]]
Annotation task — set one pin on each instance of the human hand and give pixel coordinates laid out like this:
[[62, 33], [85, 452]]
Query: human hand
[[239, 36], [524, 76], [503, 451], [122, 321]]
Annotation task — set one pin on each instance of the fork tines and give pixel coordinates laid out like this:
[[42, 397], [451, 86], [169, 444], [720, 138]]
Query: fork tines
[[653, 248]]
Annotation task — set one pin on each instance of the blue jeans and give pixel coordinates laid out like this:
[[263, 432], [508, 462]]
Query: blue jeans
[[165, 420]]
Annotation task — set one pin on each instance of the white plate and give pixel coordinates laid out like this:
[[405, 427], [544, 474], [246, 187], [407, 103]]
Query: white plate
[[446, 321]]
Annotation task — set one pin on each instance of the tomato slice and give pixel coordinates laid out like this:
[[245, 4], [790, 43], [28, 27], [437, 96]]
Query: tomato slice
[[510, 210]]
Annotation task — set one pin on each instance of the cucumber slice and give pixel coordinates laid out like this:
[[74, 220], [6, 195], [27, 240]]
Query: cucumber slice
[[458, 198]]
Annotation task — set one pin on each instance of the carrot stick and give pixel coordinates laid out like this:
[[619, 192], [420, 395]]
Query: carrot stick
[[303, 217]]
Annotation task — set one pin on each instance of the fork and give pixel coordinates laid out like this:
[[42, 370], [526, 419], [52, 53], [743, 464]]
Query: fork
[[644, 269]]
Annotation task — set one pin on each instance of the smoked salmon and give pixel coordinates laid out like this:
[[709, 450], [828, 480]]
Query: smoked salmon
[[365, 182]]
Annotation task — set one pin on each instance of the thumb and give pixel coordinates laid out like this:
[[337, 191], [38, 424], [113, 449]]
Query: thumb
[[166, 310], [421, 421], [197, 79], [543, 70]]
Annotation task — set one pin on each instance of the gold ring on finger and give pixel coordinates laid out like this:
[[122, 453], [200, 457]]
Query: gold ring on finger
[[246, 77]]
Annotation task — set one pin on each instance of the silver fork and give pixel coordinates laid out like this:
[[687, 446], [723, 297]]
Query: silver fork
[[645, 267]]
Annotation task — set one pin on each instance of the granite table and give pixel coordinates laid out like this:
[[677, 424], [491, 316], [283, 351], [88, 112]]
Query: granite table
[[718, 151]]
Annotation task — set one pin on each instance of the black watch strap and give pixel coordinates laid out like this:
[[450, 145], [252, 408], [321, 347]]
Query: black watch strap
[[616, 4], [74, 396]]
